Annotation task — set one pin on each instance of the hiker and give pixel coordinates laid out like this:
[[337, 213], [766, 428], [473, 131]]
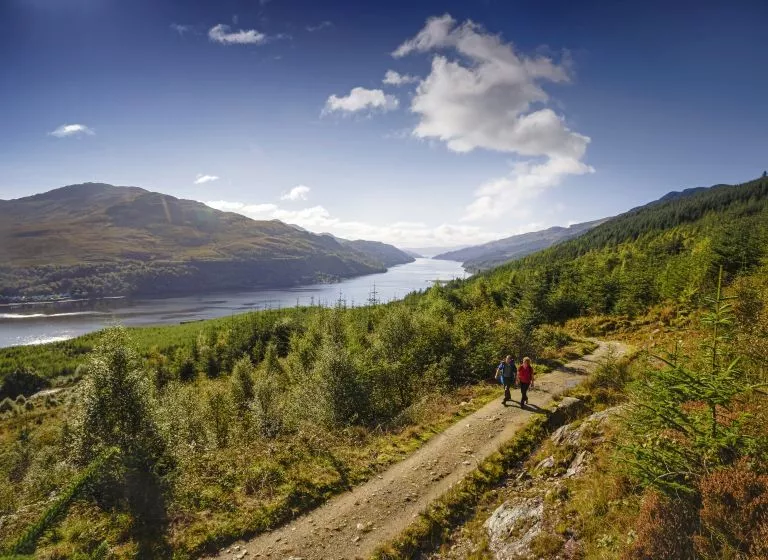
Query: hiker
[[525, 377], [505, 374]]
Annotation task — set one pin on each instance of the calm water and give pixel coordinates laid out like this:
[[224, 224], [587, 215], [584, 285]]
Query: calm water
[[41, 324]]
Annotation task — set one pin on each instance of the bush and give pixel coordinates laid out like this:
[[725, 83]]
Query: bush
[[218, 414], [664, 530], [734, 514], [548, 336], [263, 477], [7, 405], [242, 383], [22, 383]]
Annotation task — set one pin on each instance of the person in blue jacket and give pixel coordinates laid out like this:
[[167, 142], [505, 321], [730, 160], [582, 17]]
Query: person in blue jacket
[[505, 374]]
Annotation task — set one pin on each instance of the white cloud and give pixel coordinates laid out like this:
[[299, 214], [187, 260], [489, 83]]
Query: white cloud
[[507, 196], [223, 34], [393, 78], [360, 99], [404, 234], [484, 99], [299, 192], [180, 28], [72, 130], [319, 26], [491, 97], [202, 179]]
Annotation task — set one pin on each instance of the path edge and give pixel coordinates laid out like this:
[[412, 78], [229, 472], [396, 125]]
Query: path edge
[[457, 505]]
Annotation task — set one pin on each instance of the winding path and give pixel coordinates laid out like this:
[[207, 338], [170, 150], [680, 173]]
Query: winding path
[[352, 525]]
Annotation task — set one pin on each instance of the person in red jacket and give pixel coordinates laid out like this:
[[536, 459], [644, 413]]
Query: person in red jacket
[[525, 378]]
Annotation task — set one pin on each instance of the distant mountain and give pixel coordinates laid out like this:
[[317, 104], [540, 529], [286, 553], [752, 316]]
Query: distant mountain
[[494, 253], [388, 255], [430, 252], [95, 239], [412, 253]]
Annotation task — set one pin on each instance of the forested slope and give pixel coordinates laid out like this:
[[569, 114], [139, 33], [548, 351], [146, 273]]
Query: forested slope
[[244, 422]]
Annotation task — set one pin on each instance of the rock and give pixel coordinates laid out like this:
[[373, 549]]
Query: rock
[[572, 435], [513, 526], [467, 463], [579, 464], [566, 409], [463, 403], [545, 464]]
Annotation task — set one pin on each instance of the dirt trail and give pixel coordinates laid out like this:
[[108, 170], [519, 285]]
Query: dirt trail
[[353, 524]]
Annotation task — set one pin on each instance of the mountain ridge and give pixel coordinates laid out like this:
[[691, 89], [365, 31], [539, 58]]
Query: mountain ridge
[[76, 238], [494, 253]]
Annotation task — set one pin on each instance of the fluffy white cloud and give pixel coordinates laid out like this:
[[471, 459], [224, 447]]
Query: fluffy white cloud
[[484, 98], [507, 196], [202, 179], [72, 130], [491, 97], [360, 99], [224, 34], [299, 192], [393, 78]]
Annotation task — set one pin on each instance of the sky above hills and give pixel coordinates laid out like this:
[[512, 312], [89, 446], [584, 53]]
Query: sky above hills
[[411, 122]]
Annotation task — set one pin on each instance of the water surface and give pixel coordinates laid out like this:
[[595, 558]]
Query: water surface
[[38, 324]]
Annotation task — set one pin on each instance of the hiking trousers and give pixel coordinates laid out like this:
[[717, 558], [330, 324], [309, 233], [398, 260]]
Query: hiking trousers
[[508, 384], [524, 392]]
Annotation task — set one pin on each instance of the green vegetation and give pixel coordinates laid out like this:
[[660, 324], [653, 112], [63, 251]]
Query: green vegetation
[[242, 423]]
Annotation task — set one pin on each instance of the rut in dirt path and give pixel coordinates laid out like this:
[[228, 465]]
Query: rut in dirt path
[[352, 525]]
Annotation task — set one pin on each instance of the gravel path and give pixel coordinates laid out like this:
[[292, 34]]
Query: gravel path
[[353, 524]]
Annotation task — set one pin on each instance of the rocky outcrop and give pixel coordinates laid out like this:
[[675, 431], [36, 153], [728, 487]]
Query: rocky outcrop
[[512, 527], [521, 526]]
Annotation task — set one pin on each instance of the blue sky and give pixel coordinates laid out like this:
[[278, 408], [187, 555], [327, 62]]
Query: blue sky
[[503, 117]]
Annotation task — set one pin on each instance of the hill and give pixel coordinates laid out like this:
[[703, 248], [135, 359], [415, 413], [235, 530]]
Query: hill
[[387, 255], [494, 253], [95, 239]]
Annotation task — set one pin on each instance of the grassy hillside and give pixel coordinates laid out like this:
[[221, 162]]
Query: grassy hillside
[[244, 422], [94, 239], [494, 253]]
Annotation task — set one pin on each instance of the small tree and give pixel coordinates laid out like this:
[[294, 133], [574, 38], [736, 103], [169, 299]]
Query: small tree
[[268, 394], [242, 384], [116, 410], [677, 425]]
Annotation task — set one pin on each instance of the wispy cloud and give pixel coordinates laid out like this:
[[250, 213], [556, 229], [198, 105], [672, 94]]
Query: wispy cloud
[[299, 192], [405, 234], [181, 28], [202, 179], [360, 99], [66, 130], [322, 25], [393, 78], [224, 35]]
